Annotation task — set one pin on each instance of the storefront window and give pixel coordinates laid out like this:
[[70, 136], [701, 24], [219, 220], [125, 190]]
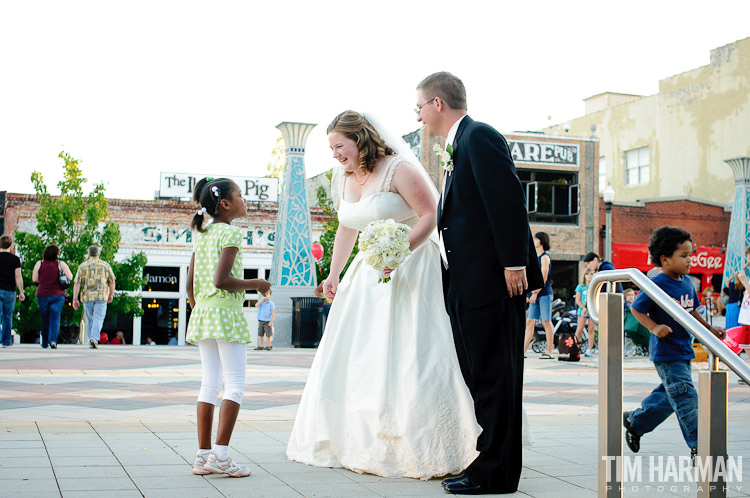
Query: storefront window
[[159, 321]]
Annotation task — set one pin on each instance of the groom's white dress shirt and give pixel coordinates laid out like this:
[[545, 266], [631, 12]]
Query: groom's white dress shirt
[[449, 140]]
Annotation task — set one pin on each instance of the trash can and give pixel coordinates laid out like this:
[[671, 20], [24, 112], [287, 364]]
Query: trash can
[[307, 321]]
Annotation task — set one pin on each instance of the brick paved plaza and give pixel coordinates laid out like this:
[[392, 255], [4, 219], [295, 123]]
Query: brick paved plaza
[[119, 422]]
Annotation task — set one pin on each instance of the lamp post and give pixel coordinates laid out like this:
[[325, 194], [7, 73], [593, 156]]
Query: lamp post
[[609, 197]]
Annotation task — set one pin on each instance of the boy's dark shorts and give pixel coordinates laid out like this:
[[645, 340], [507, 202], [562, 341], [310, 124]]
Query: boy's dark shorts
[[264, 329]]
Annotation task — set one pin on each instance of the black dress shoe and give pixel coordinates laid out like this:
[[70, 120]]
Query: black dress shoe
[[465, 486], [451, 480]]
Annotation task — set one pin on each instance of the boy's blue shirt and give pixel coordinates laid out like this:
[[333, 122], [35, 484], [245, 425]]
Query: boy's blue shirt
[[264, 310], [677, 345]]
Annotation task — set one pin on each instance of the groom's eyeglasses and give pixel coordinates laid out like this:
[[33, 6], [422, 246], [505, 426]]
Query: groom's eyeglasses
[[418, 109]]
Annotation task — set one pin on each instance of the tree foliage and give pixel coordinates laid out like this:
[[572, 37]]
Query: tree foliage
[[74, 221], [329, 235], [275, 168]]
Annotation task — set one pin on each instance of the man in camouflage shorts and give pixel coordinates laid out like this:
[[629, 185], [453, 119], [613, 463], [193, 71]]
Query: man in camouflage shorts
[[96, 284]]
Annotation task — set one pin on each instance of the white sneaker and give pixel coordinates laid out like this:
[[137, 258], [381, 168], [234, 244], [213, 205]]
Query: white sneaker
[[216, 466], [198, 466], [588, 353]]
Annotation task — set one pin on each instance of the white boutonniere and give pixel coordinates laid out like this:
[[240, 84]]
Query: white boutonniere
[[445, 155]]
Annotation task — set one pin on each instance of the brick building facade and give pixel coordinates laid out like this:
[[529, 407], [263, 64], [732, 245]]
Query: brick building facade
[[707, 222], [633, 223]]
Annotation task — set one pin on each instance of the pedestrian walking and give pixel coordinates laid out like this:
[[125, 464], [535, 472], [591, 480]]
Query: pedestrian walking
[[95, 283]]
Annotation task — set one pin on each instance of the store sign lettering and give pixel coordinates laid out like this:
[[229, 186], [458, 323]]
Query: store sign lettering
[[703, 260], [544, 153], [154, 235], [254, 189], [159, 235], [162, 279]]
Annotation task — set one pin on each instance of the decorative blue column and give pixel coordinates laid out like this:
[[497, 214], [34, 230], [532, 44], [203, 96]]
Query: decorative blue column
[[739, 227], [292, 270]]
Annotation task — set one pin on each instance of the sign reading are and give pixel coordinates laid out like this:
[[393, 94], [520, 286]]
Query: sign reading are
[[544, 153], [254, 189]]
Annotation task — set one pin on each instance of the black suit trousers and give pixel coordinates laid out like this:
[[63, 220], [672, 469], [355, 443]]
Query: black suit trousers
[[489, 345]]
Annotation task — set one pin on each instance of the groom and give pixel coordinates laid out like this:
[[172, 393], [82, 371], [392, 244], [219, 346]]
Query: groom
[[489, 264]]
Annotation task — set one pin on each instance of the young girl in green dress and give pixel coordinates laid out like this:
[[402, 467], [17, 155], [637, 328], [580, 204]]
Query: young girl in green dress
[[216, 291]]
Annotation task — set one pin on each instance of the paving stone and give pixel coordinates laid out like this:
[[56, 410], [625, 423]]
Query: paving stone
[[188, 480], [34, 462], [414, 488], [23, 473], [98, 494], [104, 472], [334, 490], [294, 478], [96, 484], [84, 461]]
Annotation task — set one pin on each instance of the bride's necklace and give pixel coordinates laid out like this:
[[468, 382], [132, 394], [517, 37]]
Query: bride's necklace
[[363, 181]]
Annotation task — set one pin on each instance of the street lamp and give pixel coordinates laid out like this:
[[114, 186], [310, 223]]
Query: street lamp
[[609, 197]]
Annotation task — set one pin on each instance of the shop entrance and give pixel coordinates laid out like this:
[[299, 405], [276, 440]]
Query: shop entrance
[[160, 320]]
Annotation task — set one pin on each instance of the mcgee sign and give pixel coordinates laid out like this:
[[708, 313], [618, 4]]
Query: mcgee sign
[[254, 189]]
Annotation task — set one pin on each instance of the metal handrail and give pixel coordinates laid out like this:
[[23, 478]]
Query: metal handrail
[[674, 310]]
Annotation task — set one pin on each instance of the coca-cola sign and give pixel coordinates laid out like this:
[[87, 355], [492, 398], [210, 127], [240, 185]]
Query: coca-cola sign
[[705, 259]]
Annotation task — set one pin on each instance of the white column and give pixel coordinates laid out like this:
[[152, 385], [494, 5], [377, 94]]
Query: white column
[[137, 330]]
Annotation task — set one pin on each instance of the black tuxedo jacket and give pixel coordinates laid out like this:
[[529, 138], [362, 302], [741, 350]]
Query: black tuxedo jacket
[[483, 219]]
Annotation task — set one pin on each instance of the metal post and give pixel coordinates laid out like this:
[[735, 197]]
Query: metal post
[[608, 232], [610, 395], [712, 429]]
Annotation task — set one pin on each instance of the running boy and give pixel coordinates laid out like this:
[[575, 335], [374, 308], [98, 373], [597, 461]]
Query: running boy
[[670, 346]]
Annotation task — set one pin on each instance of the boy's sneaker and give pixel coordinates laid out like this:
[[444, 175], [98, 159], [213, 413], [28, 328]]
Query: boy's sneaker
[[93, 344], [216, 466], [693, 454], [198, 466], [588, 353], [269, 348], [259, 348], [634, 442]]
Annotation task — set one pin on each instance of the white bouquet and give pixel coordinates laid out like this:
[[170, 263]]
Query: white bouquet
[[385, 244]]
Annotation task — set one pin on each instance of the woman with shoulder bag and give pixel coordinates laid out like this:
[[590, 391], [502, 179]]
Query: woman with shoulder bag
[[53, 277]]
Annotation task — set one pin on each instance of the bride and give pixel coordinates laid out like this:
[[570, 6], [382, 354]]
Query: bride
[[385, 394]]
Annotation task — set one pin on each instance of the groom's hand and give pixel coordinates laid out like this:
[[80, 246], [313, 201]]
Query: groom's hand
[[516, 282]]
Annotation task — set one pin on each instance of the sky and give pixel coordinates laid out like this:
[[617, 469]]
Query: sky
[[141, 87]]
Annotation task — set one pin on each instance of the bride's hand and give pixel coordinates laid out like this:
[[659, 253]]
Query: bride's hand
[[330, 287]]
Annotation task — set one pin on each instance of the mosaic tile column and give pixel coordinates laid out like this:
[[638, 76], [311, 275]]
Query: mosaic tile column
[[292, 270], [739, 227]]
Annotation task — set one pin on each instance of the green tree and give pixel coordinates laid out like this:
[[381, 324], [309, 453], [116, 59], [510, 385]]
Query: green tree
[[73, 221], [329, 235], [275, 167]]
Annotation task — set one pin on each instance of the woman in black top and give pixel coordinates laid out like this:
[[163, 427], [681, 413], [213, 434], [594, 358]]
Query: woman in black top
[[10, 280]]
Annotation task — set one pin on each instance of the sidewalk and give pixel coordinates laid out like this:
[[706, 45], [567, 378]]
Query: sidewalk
[[120, 422]]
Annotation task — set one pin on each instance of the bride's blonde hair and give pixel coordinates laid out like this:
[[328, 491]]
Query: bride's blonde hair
[[355, 127]]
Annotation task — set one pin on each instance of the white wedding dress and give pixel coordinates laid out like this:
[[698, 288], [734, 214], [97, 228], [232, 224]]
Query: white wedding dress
[[385, 393]]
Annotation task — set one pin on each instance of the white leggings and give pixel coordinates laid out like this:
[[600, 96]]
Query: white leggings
[[218, 355]]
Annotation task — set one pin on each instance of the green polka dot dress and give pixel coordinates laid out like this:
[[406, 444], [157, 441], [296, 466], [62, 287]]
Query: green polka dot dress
[[217, 313]]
